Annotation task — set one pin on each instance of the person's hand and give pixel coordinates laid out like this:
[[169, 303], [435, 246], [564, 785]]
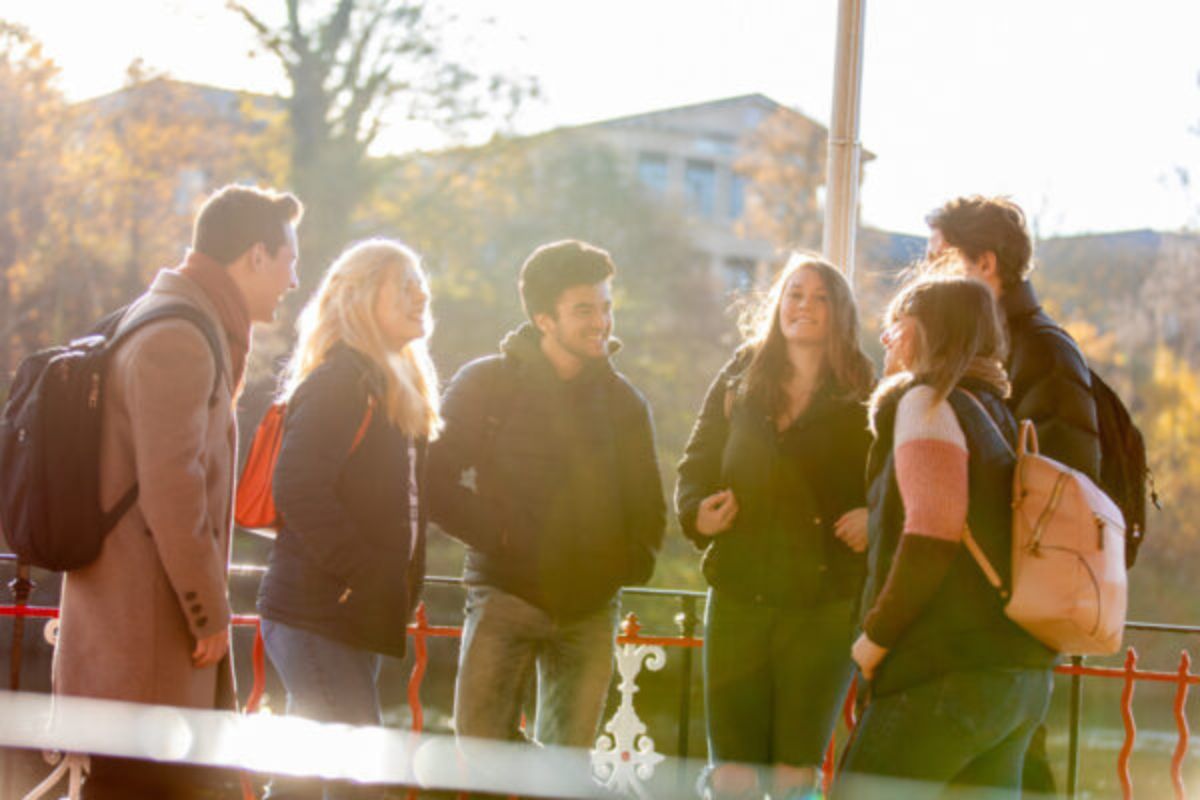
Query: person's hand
[[867, 655], [210, 649], [851, 528], [717, 512]]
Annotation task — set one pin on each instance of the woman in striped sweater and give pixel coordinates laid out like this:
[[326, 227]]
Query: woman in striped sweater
[[956, 688]]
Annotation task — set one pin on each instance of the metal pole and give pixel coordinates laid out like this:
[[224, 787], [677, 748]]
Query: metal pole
[[21, 587], [686, 620], [845, 150], [1073, 730]]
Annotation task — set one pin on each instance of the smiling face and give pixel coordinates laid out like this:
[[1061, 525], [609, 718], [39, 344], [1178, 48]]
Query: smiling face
[[402, 307], [582, 322], [804, 315]]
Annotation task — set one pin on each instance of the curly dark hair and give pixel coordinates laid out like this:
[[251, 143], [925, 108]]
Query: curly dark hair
[[555, 267]]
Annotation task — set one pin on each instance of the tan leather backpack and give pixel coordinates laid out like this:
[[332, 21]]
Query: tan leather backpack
[[1069, 588]]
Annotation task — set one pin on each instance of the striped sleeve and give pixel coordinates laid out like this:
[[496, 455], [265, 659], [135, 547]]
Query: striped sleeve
[[931, 466], [931, 471]]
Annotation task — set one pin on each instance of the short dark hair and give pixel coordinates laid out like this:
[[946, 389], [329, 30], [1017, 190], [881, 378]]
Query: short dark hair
[[553, 268], [235, 218], [978, 224]]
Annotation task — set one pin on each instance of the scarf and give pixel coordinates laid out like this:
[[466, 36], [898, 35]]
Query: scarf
[[224, 294]]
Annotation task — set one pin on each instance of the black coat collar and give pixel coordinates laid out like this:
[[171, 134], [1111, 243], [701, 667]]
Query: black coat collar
[[1020, 301]]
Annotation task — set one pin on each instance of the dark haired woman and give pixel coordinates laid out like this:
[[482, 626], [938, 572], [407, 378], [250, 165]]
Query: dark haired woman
[[771, 489], [957, 688]]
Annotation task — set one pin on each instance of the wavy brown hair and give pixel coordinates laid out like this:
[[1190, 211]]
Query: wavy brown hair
[[958, 334], [845, 363], [977, 225]]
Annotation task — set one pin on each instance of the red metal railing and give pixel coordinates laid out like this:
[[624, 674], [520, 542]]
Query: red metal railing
[[420, 631]]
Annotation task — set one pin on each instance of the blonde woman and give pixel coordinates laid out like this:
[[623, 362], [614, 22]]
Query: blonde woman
[[347, 565]]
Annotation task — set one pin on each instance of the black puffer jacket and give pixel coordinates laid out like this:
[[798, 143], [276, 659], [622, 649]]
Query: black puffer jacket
[[1051, 383], [345, 564], [791, 488], [552, 484]]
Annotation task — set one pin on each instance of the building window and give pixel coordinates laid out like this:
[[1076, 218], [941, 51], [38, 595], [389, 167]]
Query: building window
[[739, 274], [700, 187], [652, 172], [737, 196]]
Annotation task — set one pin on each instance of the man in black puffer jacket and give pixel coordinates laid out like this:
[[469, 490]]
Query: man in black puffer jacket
[[547, 471], [1051, 382]]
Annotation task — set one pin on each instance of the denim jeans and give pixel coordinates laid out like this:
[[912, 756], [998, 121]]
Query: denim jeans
[[774, 679], [506, 641], [326, 681], [967, 729]]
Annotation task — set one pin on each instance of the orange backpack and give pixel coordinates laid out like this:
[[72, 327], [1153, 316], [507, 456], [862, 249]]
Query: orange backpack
[[254, 504]]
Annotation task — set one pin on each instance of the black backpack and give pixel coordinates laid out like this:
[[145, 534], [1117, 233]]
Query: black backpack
[[50, 444], [1124, 475]]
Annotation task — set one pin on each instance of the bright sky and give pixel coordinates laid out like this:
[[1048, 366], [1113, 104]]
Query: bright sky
[[1083, 110]]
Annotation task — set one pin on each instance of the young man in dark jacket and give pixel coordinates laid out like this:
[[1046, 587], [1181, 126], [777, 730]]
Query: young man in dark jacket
[[547, 471], [1051, 382]]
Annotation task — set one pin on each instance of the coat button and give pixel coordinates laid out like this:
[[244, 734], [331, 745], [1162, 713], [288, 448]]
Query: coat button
[[758, 598], [200, 623], [816, 521], [190, 596], [196, 609]]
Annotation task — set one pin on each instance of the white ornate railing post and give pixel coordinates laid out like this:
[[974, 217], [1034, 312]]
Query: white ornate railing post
[[73, 766], [624, 758]]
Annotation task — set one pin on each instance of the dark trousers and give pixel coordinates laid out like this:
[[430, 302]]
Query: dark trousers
[[1039, 777], [968, 730], [774, 679]]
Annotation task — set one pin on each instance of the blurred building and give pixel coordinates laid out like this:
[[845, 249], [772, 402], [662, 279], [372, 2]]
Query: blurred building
[[699, 159]]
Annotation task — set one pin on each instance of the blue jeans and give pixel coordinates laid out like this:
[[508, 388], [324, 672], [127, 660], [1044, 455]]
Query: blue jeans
[[326, 681], [774, 679], [967, 729], [505, 642]]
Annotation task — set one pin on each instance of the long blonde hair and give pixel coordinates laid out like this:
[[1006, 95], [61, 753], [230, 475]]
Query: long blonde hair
[[343, 310], [846, 365]]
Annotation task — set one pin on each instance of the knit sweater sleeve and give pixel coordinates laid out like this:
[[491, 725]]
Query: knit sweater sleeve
[[930, 454]]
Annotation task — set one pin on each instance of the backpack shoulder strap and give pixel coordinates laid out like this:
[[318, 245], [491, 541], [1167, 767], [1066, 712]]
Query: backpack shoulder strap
[[184, 311], [734, 373], [366, 423], [980, 558], [110, 326], [988, 416]]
